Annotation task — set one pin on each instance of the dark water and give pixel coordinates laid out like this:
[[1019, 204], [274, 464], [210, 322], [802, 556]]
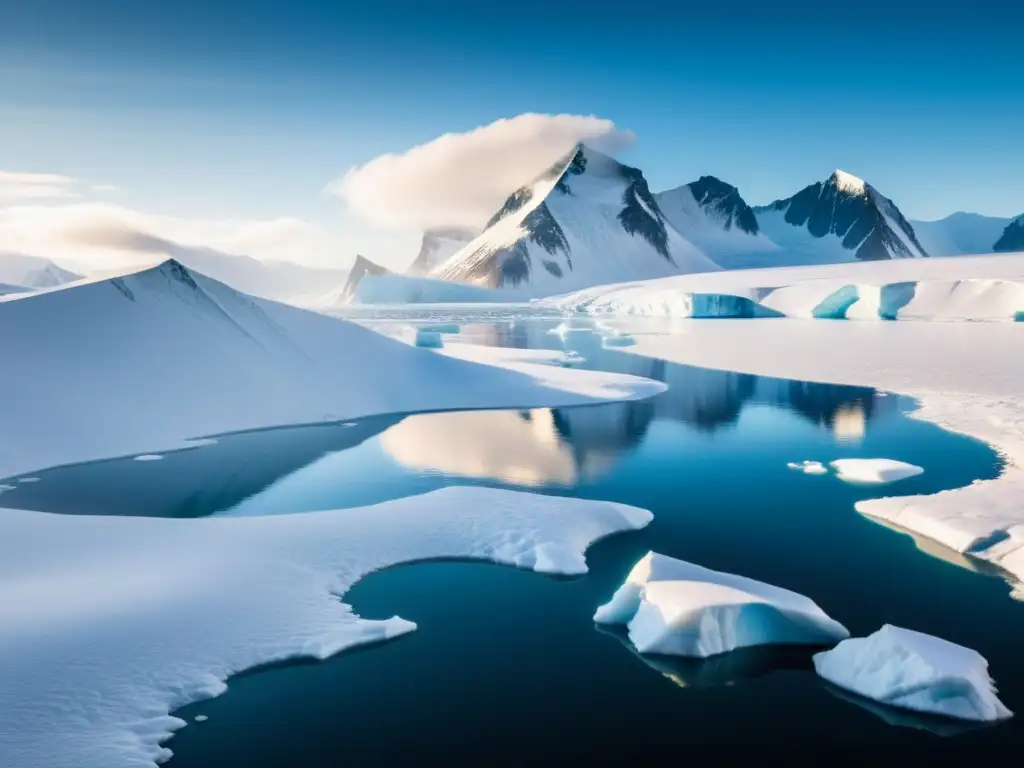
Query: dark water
[[507, 666]]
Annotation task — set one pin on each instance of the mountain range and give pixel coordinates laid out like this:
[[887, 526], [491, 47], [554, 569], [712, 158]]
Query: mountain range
[[590, 220]]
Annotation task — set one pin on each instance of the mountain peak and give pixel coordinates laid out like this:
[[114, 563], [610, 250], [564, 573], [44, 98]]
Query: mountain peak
[[847, 182]]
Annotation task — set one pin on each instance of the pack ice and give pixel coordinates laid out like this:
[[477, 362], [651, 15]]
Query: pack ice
[[677, 608], [911, 670], [108, 624]]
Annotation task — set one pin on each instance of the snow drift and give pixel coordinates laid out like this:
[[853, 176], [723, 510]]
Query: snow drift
[[912, 670], [107, 624], [676, 608], [142, 362]]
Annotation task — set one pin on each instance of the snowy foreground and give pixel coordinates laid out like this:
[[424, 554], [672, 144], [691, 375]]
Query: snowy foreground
[[144, 362], [912, 670], [967, 376], [107, 624], [677, 608], [956, 288]]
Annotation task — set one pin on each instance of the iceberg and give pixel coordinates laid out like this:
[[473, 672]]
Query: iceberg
[[676, 608], [108, 624], [911, 670], [721, 669], [430, 339], [874, 471]]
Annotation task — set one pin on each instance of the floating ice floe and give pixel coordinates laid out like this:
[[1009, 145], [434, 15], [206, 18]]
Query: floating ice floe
[[911, 670], [142, 616], [149, 457], [6, 487], [874, 471], [677, 608], [808, 467], [28, 480], [201, 718], [431, 339]]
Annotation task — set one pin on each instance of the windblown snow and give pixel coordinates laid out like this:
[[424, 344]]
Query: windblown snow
[[911, 670], [676, 608], [107, 624], [144, 362]]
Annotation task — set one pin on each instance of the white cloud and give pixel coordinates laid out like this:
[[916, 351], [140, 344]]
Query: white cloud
[[104, 189], [35, 186], [461, 179], [96, 236]]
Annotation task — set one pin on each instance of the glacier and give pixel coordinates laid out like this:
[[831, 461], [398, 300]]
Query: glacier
[[911, 670], [949, 289], [676, 608], [108, 624]]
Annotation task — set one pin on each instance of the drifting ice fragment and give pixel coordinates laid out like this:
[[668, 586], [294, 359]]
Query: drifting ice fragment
[[808, 467], [149, 457], [678, 608], [874, 470], [201, 718], [619, 340], [912, 670]]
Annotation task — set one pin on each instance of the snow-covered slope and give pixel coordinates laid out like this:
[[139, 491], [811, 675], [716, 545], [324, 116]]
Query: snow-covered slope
[[961, 234], [588, 221], [144, 361], [438, 246], [1012, 238], [840, 219], [714, 216], [32, 272], [954, 288], [6, 288], [108, 624]]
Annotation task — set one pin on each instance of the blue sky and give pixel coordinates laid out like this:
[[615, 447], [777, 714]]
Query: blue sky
[[246, 110]]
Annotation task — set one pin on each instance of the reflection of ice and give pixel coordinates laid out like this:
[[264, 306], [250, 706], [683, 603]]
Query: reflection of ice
[[849, 422], [724, 668], [904, 718], [520, 448]]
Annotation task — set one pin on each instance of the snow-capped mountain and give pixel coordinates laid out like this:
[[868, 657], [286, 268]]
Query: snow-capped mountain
[[438, 246], [32, 272], [961, 234], [589, 220], [840, 219], [714, 217], [1012, 238]]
